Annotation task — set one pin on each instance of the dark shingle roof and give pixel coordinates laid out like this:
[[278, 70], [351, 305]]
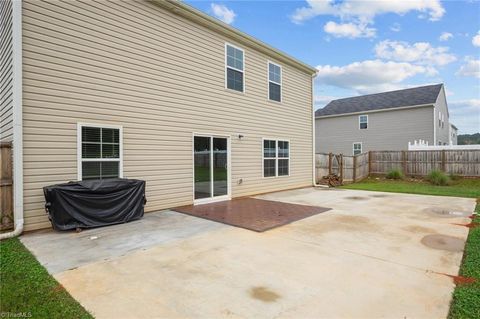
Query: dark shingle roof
[[387, 100]]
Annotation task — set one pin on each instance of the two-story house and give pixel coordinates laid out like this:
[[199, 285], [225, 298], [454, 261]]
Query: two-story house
[[385, 121], [152, 90]]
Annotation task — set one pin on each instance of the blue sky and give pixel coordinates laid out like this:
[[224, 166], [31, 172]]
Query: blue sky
[[362, 47]]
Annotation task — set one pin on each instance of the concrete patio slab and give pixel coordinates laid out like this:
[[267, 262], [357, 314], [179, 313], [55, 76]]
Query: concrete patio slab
[[363, 259]]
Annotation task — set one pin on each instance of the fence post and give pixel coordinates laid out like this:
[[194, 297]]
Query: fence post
[[369, 162], [330, 163], [404, 162], [354, 168], [444, 165], [340, 164]]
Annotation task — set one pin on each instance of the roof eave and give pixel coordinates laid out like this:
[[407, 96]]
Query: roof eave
[[375, 111], [201, 18]]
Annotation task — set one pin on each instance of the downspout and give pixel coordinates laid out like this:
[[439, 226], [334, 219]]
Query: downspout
[[314, 175], [17, 120]]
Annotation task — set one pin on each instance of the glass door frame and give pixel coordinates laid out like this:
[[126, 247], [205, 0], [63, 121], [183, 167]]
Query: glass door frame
[[212, 198]]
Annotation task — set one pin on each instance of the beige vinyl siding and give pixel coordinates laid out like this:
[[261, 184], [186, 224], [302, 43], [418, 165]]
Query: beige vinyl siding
[[162, 78], [387, 131], [6, 69]]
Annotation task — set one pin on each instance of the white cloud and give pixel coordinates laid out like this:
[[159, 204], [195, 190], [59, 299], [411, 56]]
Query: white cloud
[[396, 27], [445, 36], [476, 40], [470, 68], [465, 114], [420, 52], [366, 10], [349, 30], [223, 13], [371, 75]]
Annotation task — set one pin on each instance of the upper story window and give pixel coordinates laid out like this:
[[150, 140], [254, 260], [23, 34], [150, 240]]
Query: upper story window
[[363, 122], [357, 148], [234, 64], [99, 152], [274, 82], [439, 119]]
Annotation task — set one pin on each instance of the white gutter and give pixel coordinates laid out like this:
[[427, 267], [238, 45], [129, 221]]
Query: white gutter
[[17, 120]]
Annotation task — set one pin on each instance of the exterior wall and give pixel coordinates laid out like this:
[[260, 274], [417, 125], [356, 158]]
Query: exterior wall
[[454, 136], [442, 132], [161, 77], [6, 71], [387, 131]]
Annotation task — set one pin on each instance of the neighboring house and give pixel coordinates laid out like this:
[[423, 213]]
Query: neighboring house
[[151, 90], [384, 121], [453, 135]]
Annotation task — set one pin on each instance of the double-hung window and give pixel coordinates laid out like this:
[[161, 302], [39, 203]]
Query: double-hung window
[[276, 158], [100, 152], [357, 148], [363, 122], [274, 82], [234, 64]]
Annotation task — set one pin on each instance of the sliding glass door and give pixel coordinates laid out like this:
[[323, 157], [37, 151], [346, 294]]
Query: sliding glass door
[[210, 168]]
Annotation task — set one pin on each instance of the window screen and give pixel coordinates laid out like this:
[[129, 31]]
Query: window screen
[[274, 82], [100, 149], [234, 72]]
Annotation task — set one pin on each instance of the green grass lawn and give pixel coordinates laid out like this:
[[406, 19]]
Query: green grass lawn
[[466, 297], [459, 188], [27, 288]]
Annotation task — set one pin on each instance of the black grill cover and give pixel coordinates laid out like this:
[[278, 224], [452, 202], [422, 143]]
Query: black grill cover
[[94, 203]]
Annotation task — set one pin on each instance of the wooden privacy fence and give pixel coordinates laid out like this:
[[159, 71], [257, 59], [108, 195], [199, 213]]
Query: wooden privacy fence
[[6, 186], [465, 163], [348, 168], [419, 163]]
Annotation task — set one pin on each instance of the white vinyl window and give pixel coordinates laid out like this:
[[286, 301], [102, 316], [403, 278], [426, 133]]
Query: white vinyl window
[[363, 122], [274, 82], [439, 119], [357, 148], [234, 68], [276, 158], [99, 151]]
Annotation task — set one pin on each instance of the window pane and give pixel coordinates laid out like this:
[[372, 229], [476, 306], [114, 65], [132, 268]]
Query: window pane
[[282, 167], [234, 58], [274, 73], [109, 170], [90, 134], [110, 135], [202, 151], [90, 150], [110, 151], [269, 148], [283, 149], [363, 126], [234, 80], [91, 170], [268, 167], [274, 92]]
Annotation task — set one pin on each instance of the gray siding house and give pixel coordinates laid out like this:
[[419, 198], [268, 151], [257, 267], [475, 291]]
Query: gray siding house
[[383, 121]]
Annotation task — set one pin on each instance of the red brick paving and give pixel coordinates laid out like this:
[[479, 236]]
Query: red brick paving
[[251, 213]]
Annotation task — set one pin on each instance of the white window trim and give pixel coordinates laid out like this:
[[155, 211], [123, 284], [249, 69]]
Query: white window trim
[[276, 158], [359, 122], [79, 148], [229, 67], [353, 147], [268, 81]]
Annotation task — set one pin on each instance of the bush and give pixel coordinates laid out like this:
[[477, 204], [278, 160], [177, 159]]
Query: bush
[[437, 177], [395, 174]]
